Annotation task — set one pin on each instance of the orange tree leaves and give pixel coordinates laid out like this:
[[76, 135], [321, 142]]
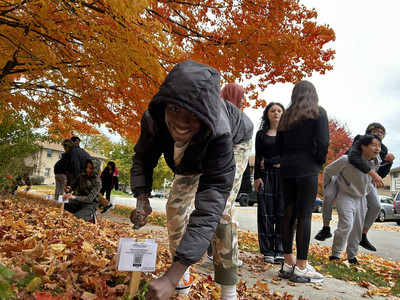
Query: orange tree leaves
[[76, 65], [340, 142]]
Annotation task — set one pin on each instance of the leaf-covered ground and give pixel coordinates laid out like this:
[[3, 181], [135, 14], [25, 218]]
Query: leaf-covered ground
[[46, 256]]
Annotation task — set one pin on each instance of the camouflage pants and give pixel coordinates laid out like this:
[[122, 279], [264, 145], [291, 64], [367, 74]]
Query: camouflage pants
[[225, 243]]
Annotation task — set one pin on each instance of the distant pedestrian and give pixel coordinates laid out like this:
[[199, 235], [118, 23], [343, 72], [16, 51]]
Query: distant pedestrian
[[77, 141], [60, 175], [302, 142], [266, 182], [22, 180], [108, 179], [76, 160]]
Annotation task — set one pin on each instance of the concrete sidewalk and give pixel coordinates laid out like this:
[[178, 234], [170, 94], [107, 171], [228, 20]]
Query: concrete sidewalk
[[254, 270]]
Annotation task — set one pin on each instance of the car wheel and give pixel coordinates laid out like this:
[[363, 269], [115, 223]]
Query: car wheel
[[398, 222], [381, 216], [251, 203], [243, 201], [319, 208]]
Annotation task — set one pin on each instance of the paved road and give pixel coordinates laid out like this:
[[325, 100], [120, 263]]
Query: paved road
[[386, 242]]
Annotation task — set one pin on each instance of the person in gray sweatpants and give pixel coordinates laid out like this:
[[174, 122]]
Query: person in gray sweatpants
[[351, 202]]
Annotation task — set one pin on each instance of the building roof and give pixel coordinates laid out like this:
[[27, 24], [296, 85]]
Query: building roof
[[397, 169], [59, 147]]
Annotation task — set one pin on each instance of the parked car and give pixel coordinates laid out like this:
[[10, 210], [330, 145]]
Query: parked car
[[396, 208], [156, 195], [318, 205], [247, 199], [386, 212]]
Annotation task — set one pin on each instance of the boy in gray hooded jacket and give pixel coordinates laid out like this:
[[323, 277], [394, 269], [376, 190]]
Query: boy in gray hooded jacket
[[351, 202]]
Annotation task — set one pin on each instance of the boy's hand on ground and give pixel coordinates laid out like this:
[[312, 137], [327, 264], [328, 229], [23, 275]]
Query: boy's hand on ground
[[163, 287], [143, 204], [160, 289]]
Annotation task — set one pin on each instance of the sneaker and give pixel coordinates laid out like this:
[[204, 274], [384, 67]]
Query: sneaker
[[240, 263], [307, 275], [333, 258], [184, 285], [285, 271], [93, 218], [107, 208], [323, 234], [269, 259], [353, 261], [278, 259], [366, 244]]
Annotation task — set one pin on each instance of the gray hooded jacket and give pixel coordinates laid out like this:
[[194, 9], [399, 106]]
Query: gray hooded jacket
[[196, 88]]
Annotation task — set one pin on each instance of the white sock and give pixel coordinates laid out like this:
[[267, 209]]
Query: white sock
[[228, 292], [186, 275]]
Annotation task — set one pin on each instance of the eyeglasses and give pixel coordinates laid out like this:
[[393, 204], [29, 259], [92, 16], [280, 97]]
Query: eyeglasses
[[377, 131]]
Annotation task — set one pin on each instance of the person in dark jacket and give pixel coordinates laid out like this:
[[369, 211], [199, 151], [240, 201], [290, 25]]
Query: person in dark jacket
[[22, 180], [76, 160], [60, 175], [266, 182], [108, 180], [196, 131], [373, 202], [87, 187], [302, 143]]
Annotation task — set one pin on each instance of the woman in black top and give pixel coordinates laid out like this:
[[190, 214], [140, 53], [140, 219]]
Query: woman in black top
[[107, 181], [266, 182], [302, 142]]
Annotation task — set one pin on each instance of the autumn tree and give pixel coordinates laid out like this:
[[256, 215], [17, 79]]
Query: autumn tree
[[17, 145], [76, 65], [340, 142]]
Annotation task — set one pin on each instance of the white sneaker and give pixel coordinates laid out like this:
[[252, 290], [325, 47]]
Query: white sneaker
[[240, 263], [184, 284], [309, 274]]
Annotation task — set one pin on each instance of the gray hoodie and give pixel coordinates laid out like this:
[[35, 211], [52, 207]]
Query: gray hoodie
[[350, 180]]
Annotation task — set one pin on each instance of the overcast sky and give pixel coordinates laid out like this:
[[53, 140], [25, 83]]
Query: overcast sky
[[364, 85]]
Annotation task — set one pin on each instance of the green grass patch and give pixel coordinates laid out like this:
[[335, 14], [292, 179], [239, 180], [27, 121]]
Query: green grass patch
[[120, 194], [43, 187], [364, 274], [122, 211]]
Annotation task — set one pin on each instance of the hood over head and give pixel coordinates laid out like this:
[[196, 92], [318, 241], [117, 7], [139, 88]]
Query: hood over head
[[194, 87]]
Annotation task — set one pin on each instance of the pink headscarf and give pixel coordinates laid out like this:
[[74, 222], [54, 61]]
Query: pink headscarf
[[233, 93]]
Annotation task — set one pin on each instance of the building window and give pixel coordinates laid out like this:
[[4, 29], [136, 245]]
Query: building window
[[395, 175], [49, 153], [47, 172]]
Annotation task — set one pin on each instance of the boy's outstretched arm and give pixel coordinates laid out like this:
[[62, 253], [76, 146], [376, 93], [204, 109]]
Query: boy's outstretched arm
[[163, 287]]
